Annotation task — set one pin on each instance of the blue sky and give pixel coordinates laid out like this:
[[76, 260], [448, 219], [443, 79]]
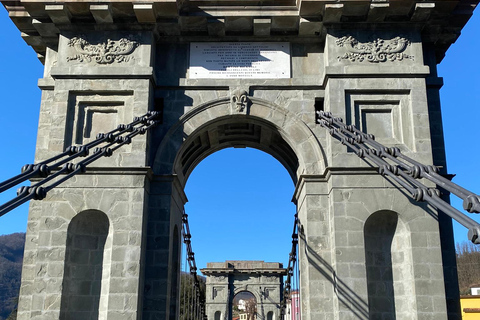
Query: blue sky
[[243, 195]]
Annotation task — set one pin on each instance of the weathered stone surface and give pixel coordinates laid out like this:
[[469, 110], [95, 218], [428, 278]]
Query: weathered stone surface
[[363, 61], [264, 280]]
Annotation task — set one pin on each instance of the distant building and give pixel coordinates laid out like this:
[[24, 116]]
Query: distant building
[[470, 305], [241, 304], [293, 308], [295, 305], [244, 290]]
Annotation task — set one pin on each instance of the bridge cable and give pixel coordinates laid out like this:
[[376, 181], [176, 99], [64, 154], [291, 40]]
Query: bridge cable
[[391, 163], [183, 286], [298, 298], [197, 306], [61, 164], [292, 261]]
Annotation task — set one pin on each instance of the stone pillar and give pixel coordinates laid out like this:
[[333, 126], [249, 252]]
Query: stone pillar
[[316, 249], [218, 298], [342, 211], [163, 247], [83, 95], [434, 83]]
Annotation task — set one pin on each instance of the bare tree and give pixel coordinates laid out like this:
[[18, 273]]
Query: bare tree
[[468, 266], [251, 308]]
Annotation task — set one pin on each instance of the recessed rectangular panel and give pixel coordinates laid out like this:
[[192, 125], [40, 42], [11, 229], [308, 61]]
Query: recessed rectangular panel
[[99, 121], [385, 114], [378, 122], [93, 120]]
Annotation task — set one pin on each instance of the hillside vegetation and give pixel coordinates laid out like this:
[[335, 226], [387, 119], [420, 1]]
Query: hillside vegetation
[[468, 262], [11, 257]]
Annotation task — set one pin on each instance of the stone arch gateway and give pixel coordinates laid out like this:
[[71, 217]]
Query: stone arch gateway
[[216, 125], [251, 288], [224, 75]]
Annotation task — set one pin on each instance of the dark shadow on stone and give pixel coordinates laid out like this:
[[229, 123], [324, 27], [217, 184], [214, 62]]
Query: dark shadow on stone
[[86, 237], [175, 273], [346, 295], [378, 232]]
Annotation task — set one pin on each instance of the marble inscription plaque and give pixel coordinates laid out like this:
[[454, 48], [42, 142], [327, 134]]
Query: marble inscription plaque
[[234, 60]]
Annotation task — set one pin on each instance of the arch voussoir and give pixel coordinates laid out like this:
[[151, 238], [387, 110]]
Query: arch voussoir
[[263, 125]]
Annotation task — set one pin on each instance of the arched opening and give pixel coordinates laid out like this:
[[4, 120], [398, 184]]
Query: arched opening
[[218, 315], [215, 125], [201, 135], [82, 283], [240, 133], [270, 315], [389, 267], [235, 192], [244, 306]]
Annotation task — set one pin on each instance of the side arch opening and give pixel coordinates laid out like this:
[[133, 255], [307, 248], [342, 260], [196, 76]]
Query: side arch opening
[[389, 267], [84, 289], [270, 315]]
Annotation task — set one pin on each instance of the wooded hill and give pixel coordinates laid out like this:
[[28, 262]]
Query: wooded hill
[[468, 266], [11, 257]]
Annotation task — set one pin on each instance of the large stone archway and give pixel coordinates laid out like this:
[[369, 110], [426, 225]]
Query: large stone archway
[[335, 196], [217, 124], [371, 63], [262, 280]]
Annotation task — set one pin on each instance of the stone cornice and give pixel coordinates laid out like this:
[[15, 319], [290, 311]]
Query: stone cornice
[[40, 22], [220, 271]]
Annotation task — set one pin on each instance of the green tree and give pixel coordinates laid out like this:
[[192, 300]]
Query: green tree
[[11, 258], [189, 301]]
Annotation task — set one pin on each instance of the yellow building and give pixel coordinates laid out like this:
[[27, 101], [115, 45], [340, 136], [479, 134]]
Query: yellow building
[[470, 307]]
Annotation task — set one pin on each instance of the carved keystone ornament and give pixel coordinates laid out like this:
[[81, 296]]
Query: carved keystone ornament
[[379, 50], [239, 100], [102, 53]]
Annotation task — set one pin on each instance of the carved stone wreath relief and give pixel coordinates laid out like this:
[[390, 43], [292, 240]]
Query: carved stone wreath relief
[[219, 278], [376, 51], [102, 53]]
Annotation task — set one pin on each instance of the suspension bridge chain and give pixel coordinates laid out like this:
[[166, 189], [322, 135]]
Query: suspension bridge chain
[[105, 144], [393, 164], [194, 303], [291, 270]]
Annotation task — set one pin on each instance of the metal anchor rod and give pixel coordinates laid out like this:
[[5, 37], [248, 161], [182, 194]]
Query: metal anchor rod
[[405, 173], [114, 140]]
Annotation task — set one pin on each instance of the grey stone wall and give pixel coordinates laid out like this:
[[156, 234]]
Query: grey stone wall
[[353, 221], [264, 280]]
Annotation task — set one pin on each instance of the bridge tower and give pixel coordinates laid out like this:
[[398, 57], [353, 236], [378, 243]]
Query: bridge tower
[[104, 245], [263, 281]]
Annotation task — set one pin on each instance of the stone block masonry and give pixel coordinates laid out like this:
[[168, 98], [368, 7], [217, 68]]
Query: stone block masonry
[[104, 245]]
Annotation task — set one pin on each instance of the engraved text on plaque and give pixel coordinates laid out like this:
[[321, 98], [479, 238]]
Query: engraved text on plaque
[[230, 60]]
